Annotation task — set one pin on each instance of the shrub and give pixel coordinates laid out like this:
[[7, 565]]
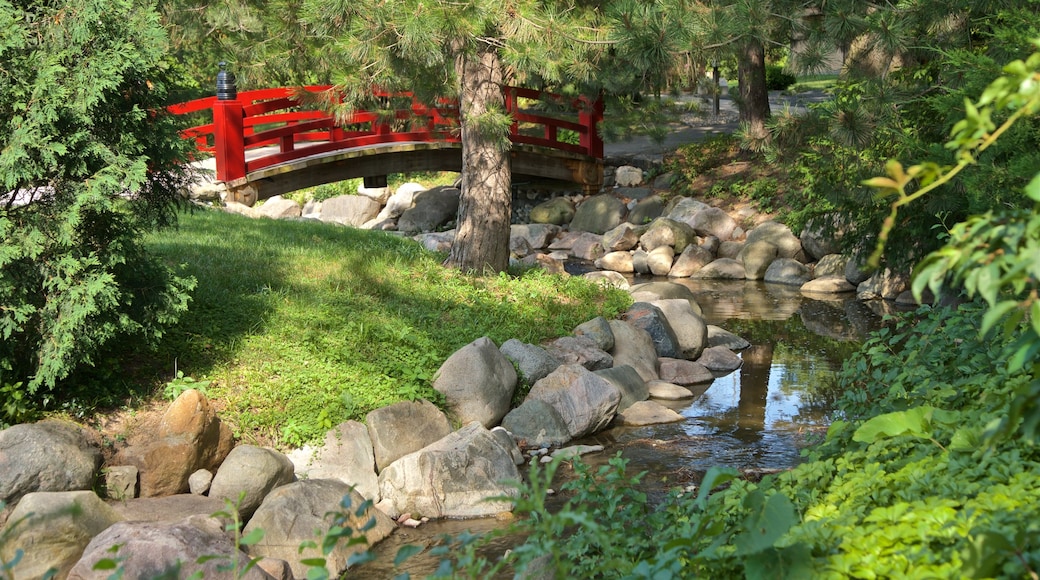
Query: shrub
[[777, 79], [90, 161]]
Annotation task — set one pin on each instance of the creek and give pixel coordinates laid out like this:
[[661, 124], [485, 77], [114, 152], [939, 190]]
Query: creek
[[756, 419]]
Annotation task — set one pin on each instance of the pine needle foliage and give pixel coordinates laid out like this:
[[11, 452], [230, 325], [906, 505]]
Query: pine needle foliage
[[88, 161]]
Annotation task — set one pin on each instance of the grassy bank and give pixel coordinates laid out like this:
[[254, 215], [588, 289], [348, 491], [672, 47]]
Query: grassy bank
[[297, 326]]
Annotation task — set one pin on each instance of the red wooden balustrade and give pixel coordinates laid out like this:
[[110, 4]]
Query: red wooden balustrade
[[267, 117]]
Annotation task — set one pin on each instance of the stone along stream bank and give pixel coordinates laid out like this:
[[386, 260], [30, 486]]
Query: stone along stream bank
[[608, 381]]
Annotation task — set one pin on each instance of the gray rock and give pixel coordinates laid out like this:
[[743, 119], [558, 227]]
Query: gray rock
[[729, 250], [436, 241], [720, 359], [690, 329], [346, 455], [721, 269], [532, 360], [650, 318], [598, 214], [665, 290], [647, 210], [153, 550], [831, 265], [121, 482], [822, 236], [622, 238], [298, 512], [616, 262], [711, 244], [634, 347], [454, 477], [585, 401], [200, 481], [647, 413], [613, 279], [170, 509], [279, 207], [856, 269], [46, 456], [53, 528], [684, 208], [477, 382], [351, 210], [886, 284], [510, 443], [588, 247], [248, 474], [537, 236], [403, 428], [667, 391], [628, 382], [720, 337], [668, 232], [582, 350], [598, 329], [379, 195], [628, 176], [757, 256], [684, 372], [536, 423], [557, 211], [400, 201], [788, 245], [659, 260], [713, 221], [787, 271], [431, 210], [640, 261], [692, 259], [828, 285]]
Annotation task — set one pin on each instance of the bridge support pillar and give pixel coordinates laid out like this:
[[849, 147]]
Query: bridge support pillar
[[374, 181]]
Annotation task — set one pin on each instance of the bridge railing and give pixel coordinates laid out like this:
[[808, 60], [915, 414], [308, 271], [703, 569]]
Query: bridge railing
[[279, 117]]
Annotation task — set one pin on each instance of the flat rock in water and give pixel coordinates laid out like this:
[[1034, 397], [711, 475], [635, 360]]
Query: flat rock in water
[[647, 413], [668, 391]]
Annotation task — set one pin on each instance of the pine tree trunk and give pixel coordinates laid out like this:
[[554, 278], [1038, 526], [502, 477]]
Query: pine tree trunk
[[751, 75], [482, 234]]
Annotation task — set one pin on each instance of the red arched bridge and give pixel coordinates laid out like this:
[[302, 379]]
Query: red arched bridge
[[267, 142]]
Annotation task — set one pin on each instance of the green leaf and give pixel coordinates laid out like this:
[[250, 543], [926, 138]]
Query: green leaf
[[406, 551], [715, 477], [994, 314], [917, 422], [794, 562], [1032, 189], [252, 537], [769, 521]]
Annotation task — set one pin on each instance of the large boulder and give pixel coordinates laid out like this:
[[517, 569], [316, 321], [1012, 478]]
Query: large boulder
[[828, 285], [248, 474], [647, 413], [646, 210], [720, 359], [787, 271], [454, 477], [692, 259], [403, 428], [598, 214], [683, 209], [345, 455], [650, 318], [684, 372], [718, 336], [51, 529], [665, 290], [531, 360], [430, 211], [822, 235], [659, 260], [536, 423], [583, 350], [351, 210], [196, 545], [690, 329], [721, 269], [634, 347], [556, 211], [622, 238], [617, 262], [587, 246], [46, 456], [190, 437], [477, 382], [713, 221], [887, 284], [306, 510], [831, 265], [585, 401], [279, 207], [756, 257], [598, 329], [535, 236], [787, 244], [668, 232], [401, 200], [628, 382]]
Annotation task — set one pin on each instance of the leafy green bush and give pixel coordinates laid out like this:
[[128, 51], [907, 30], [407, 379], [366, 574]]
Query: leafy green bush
[[777, 79], [91, 161]]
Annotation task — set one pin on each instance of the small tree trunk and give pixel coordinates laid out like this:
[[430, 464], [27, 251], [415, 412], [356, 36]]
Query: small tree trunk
[[482, 234], [754, 98]]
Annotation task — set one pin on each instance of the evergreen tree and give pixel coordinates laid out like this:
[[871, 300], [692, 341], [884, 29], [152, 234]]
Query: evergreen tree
[[469, 50], [88, 161]]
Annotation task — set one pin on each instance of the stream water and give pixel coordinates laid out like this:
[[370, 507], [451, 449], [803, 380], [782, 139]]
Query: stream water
[[756, 419]]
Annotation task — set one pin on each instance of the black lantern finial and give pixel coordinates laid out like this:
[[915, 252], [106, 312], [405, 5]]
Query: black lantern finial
[[227, 89]]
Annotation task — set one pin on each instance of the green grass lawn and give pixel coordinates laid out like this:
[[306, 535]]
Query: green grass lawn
[[297, 326]]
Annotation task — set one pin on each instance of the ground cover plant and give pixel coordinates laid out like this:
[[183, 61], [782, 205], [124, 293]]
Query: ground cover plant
[[295, 327]]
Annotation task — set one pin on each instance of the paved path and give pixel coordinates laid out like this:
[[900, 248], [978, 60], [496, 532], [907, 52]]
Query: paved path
[[696, 127]]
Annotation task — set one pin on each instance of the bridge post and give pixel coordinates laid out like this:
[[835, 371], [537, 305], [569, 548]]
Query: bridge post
[[589, 117], [228, 134]]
